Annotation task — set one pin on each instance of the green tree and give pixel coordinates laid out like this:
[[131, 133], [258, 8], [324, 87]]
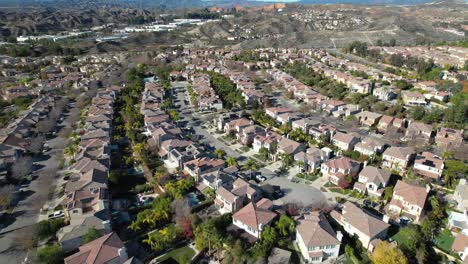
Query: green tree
[[220, 153], [418, 113], [231, 161], [250, 164], [50, 254], [264, 153], [285, 225], [91, 234]]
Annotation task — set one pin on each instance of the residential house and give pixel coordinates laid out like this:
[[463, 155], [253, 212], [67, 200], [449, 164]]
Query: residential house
[[203, 165], [254, 217], [344, 141], [316, 238], [237, 125], [459, 220], [438, 95], [384, 93], [266, 141], [429, 165], [460, 246], [398, 158], [108, 249], [356, 222], [337, 169], [252, 95], [247, 134], [413, 98], [274, 112], [419, 131], [368, 118], [227, 202], [389, 122], [372, 180], [289, 147], [311, 158], [370, 146], [330, 106], [447, 137], [304, 124], [408, 200]]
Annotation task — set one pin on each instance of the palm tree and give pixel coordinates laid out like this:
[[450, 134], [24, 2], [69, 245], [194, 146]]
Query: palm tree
[[219, 153], [250, 164], [231, 161]]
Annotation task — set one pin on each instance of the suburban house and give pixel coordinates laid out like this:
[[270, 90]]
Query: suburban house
[[384, 93], [368, 118], [289, 147], [104, 250], [254, 217], [438, 95], [304, 124], [459, 220], [344, 141], [311, 158], [232, 197], [448, 137], [252, 95], [227, 202], [418, 130], [356, 222], [408, 200], [370, 146], [247, 134], [372, 180], [389, 122], [203, 165], [237, 125], [460, 246], [330, 106], [265, 141], [316, 238], [337, 169], [274, 112], [397, 158], [429, 165], [413, 98]]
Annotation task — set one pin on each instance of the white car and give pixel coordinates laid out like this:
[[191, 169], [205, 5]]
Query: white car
[[56, 214]]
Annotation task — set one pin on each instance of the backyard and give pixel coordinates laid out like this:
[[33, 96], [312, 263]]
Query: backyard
[[179, 255]]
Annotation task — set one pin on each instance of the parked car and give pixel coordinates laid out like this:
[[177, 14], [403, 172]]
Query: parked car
[[260, 177], [56, 214]]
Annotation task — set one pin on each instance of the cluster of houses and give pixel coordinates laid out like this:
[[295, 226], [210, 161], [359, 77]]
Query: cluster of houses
[[206, 97], [86, 197], [16, 138]]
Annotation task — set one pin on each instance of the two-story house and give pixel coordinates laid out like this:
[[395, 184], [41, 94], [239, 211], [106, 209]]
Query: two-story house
[[459, 220], [397, 158], [254, 217], [372, 180], [356, 222], [408, 200], [337, 169], [369, 146], [344, 141], [311, 158], [317, 239], [429, 165]]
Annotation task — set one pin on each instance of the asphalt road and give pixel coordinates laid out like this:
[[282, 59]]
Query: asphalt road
[[26, 212]]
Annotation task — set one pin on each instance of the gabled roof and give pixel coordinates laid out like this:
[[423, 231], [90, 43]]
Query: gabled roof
[[254, 216], [98, 251], [362, 221], [411, 193], [316, 231], [375, 175]]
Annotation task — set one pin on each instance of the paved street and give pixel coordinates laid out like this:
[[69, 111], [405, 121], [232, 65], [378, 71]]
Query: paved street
[[298, 193], [26, 212]]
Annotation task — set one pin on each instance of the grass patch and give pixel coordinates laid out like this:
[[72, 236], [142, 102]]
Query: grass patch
[[179, 255], [245, 149], [445, 240], [339, 190], [307, 176]]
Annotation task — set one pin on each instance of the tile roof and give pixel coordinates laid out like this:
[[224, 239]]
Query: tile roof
[[411, 193], [254, 216], [98, 251], [361, 220], [316, 231]]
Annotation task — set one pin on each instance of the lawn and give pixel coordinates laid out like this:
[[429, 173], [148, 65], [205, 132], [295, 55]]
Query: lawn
[[445, 240], [179, 255]]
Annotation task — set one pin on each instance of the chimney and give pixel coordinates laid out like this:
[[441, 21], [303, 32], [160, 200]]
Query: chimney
[[386, 218], [123, 254], [107, 226], [339, 236]]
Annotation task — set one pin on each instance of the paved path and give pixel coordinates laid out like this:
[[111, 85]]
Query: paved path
[[26, 213]]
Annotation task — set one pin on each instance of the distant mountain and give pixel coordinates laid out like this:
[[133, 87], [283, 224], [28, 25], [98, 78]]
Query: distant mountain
[[172, 4]]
